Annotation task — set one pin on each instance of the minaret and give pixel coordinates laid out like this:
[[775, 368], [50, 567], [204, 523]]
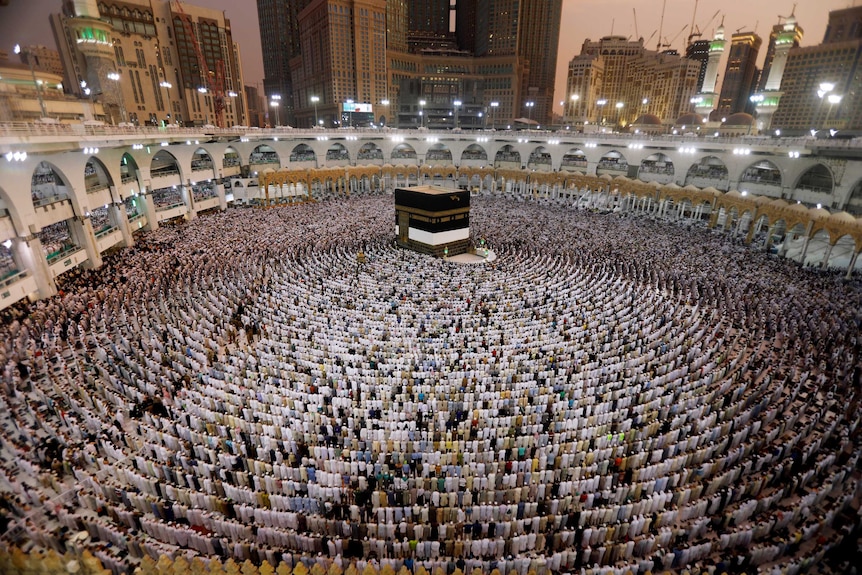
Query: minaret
[[705, 101], [93, 40], [782, 40]]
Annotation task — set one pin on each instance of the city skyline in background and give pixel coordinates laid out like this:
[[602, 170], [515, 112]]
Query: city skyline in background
[[28, 23]]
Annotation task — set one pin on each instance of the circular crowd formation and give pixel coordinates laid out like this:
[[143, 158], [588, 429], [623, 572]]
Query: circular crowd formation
[[611, 391]]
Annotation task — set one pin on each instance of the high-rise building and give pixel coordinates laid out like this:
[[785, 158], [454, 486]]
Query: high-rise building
[[699, 52], [337, 57], [740, 74], [139, 59], [429, 17], [821, 86], [783, 38], [256, 107], [615, 80], [538, 36], [279, 36], [342, 62]]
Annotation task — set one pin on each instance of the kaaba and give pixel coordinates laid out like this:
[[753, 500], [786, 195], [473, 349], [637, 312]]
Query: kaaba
[[433, 220]]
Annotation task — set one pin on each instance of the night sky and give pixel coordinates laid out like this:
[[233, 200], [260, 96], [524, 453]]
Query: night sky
[[26, 22]]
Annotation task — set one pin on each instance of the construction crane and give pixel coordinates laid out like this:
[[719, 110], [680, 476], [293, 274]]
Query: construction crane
[[635, 12], [697, 31], [669, 43], [213, 81]]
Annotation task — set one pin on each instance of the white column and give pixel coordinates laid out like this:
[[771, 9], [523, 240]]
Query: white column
[[222, 196], [149, 209], [28, 253], [827, 254], [81, 230], [118, 217]]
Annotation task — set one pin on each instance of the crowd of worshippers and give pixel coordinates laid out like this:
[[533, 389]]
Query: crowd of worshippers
[[612, 393]]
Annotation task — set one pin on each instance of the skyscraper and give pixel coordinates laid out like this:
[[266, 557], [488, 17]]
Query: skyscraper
[[502, 51], [341, 61], [783, 38], [699, 52], [279, 36], [821, 85], [740, 74]]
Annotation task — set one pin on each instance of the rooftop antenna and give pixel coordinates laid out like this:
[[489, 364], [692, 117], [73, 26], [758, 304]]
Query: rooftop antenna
[[661, 25]]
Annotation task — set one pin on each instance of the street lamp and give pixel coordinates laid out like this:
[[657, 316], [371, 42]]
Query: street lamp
[[385, 102], [494, 106], [349, 102], [457, 104], [28, 54], [529, 106], [274, 103], [315, 100], [421, 113], [573, 99], [601, 104], [619, 111], [832, 99]]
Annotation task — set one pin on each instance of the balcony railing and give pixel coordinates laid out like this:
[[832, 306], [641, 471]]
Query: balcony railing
[[67, 251], [12, 277]]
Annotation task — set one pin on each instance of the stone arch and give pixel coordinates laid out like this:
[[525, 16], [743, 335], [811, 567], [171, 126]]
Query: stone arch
[[96, 175], [506, 157], [762, 172], [231, 158], [708, 171], [613, 163], [438, 154], [337, 153], [202, 162], [48, 184], [403, 152], [657, 163], [818, 178], [540, 159], [575, 160], [474, 152], [657, 167], [264, 154], [302, 153], [163, 164], [369, 153], [854, 202]]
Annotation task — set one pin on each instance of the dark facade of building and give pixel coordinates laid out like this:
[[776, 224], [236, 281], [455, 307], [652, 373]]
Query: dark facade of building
[[740, 75], [835, 63], [699, 52], [279, 38]]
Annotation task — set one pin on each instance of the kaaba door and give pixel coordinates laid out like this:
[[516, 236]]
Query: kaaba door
[[403, 227]]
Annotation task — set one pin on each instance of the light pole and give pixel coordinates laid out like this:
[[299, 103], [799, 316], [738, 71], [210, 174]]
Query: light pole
[[457, 104], [385, 102], [349, 102], [619, 112], [601, 104], [494, 106], [574, 102], [276, 100], [529, 106], [315, 100], [29, 57], [167, 86], [421, 113], [833, 99], [825, 88]]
